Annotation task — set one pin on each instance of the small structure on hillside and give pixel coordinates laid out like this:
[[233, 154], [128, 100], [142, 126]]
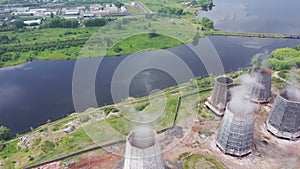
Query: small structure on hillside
[[284, 119], [143, 151], [221, 95], [260, 92], [236, 133]]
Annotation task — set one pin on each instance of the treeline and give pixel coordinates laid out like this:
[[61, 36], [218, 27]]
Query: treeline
[[8, 26], [204, 4], [172, 11], [60, 23], [5, 135], [95, 22], [284, 58], [6, 56]]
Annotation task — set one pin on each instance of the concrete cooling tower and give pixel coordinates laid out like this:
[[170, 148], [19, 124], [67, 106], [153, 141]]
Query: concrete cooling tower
[[221, 95], [284, 119], [236, 133], [260, 92], [143, 151]]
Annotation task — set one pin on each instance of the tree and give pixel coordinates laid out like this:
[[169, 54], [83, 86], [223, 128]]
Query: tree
[[207, 23], [95, 22], [205, 4], [52, 15], [5, 133], [119, 4], [19, 23], [152, 34], [4, 39]]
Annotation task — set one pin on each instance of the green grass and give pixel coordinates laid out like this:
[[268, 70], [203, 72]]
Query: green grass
[[132, 9], [279, 84], [10, 148], [142, 106], [196, 161], [207, 133], [142, 42], [120, 124]]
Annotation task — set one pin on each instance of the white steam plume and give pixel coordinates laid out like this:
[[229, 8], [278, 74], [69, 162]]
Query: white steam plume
[[238, 103]]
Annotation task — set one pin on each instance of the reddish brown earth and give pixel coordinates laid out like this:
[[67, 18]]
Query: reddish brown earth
[[101, 161]]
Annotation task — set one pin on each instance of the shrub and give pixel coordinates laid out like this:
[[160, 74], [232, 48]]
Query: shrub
[[48, 146]]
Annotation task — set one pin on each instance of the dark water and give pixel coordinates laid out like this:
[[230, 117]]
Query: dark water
[[269, 16], [34, 92]]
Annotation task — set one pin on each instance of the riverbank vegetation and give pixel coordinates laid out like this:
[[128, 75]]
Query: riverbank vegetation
[[285, 58], [242, 34]]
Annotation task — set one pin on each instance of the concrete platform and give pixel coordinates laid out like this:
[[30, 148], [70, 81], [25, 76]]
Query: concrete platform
[[213, 109]]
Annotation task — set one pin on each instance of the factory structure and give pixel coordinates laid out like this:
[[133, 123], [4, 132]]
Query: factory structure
[[236, 133], [235, 136], [143, 151], [284, 119], [221, 95], [260, 93]]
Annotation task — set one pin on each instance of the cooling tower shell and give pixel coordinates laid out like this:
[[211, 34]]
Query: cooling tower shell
[[257, 93], [221, 95], [235, 136], [143, 158], [284, 119]]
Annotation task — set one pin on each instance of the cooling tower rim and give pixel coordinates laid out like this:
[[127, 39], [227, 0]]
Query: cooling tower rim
[[251, 113], [263, 70], [280, 95], [224, 84], [129, 141]]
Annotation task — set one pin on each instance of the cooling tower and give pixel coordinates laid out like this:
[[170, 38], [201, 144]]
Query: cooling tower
[[221, 95], [236, 133], [260, 92], [284, 119], [143, 151]]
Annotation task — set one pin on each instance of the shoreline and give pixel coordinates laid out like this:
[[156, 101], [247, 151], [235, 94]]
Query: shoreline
[[252, 34], [205, 33]]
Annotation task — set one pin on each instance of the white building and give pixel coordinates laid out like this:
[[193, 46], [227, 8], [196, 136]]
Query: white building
[[33, 22]]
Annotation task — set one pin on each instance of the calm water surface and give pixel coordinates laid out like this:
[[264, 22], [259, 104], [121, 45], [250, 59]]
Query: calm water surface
[[34, 92], [269, 16]]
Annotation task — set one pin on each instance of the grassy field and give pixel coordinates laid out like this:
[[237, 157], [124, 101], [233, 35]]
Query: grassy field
[[130, 34], [201, 161], [142, 42]]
